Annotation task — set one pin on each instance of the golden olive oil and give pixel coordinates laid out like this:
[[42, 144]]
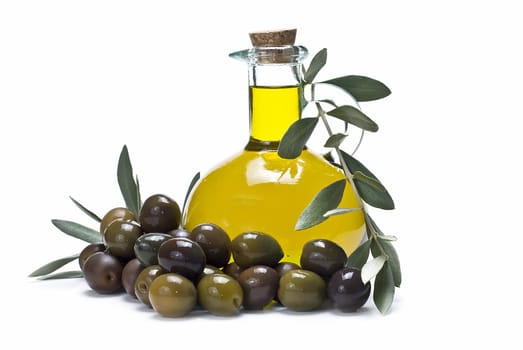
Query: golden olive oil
[[256, 190]]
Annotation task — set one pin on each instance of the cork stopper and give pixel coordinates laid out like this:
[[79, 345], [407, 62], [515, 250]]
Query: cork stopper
[[273, 38]]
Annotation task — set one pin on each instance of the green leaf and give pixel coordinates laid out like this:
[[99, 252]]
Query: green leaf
[[189, 189], [384, 289], [354, 116], [340, 211], [53, 266], [360, 88], [378, 199], [335, 140], [128, 186], [328, 101], [296, 137], [63, 275], [138, 195], [78, 231], [388, 238], [388, 248], [317, 63], [86, 211], [372, 267], [327, 199], [359, 257], [372, 182]]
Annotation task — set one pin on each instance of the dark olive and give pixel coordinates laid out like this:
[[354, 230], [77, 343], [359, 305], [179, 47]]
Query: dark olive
[[220, 294], [346, 289], [144, 280], [323, 257], [182, 256], [130, 272], [256, 248], [180, 233], [172, 295], [159, 213], [232, 269], [146, 247], [120, 236], [285, 266], [301, 290], [115, 214], [89, 250], [103, 273], [260, 285], [215, 243]]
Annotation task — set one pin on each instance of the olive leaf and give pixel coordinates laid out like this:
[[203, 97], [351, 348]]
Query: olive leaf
[[85, 210], [328, 101], [53, 266], [372, 267], [372, 182], [354, 116], [327, 199], [62, 275], [317, 63], [361, 88], [189, 189], [128, 186], [340, 211], [359, 257], [335, 140], [295, 138], [384, 289], [388, 248], [378, 199], [78, 231]]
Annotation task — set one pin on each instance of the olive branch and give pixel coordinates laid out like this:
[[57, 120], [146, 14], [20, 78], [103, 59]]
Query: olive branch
[[384, 266]]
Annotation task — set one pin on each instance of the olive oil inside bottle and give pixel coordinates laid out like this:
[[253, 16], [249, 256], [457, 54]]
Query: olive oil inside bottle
[[256, 190]]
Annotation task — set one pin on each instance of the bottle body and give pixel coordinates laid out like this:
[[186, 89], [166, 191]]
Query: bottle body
[[259, 191]]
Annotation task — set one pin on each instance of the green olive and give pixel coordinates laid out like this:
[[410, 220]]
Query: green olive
[[159, 213], [120, 237], [144, 280], [323, 257], [256, 248], [301, 290], [115, 214], [220, 294], [172, 295], [215, 243]]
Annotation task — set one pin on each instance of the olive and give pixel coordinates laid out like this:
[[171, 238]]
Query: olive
[[120, 236], [180, 233], [301, 290], [114, 214], [260, 285], [146, 247], [285, 266], [172, 295], [323, 257], [144, 280], [207, 270], [183, 256], [256, 248], [346, 289], [89, 250], [220, 294], [103, 273], [130, 272], [159, 213], [232, 269], [215, 243]]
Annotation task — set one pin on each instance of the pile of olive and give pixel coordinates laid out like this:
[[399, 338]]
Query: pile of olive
[[175, 271]]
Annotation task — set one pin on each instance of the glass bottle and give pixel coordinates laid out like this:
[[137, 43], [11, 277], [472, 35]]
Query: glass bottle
[[255, 189]]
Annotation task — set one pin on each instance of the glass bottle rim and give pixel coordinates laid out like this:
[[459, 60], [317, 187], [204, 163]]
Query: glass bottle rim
[[265, 55]]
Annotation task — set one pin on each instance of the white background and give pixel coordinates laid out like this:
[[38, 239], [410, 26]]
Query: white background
[[79, 79]]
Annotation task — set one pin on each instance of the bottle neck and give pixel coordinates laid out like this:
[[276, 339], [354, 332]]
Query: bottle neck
[[275, 95]]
